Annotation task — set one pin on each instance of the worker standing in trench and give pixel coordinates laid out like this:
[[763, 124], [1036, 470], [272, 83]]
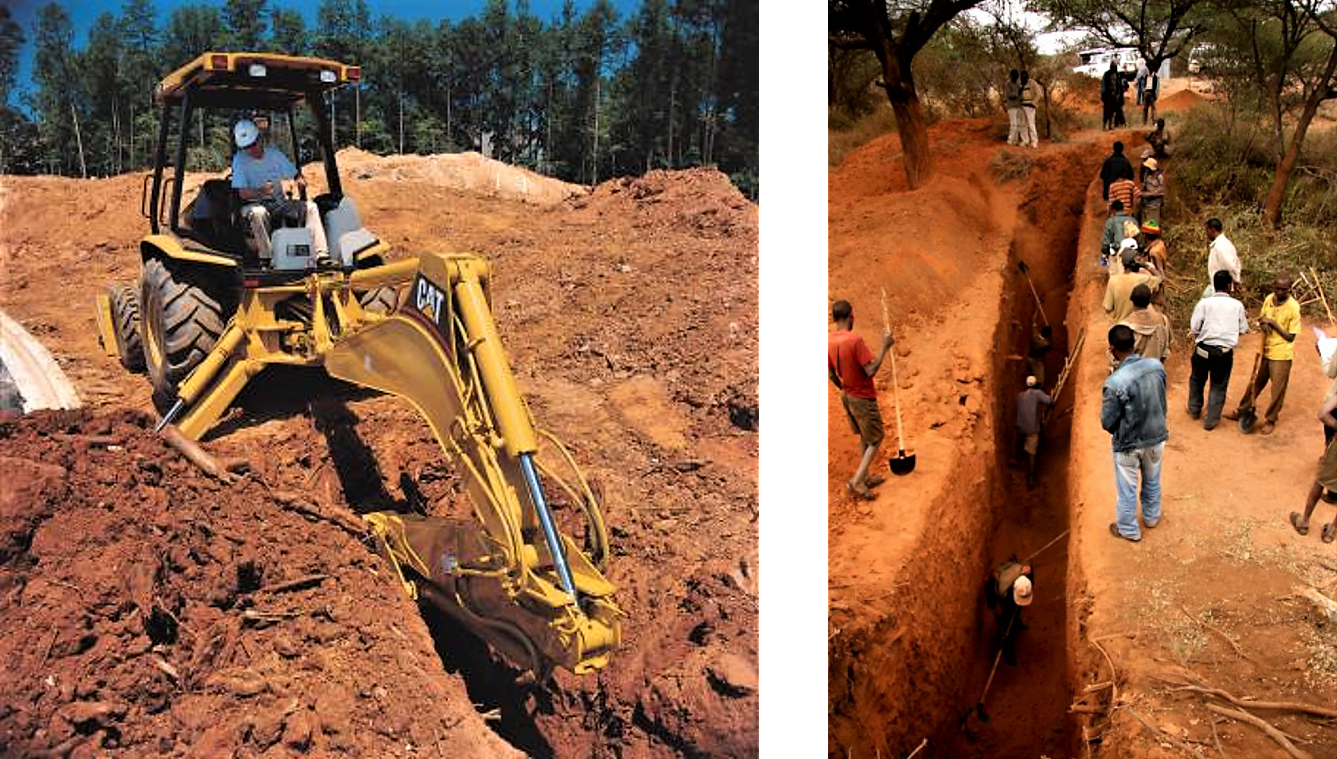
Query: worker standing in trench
[[1029, 402], [1008, 589]]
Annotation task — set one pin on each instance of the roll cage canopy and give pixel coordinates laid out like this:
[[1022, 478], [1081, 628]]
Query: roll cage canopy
[[253, 80], [242, 82]]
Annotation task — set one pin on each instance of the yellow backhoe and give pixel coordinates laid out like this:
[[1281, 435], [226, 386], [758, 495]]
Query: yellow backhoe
[[209, 315]]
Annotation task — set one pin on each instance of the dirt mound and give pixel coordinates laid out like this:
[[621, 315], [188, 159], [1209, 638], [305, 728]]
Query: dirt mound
[[152, 610], [702, 201], [1184, 100], [459, 171]]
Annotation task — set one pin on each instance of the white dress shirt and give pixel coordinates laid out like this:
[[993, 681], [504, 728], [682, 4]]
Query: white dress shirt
[[1219, 320], [1222, 255]]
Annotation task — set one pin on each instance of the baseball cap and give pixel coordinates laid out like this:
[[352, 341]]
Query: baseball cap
[[1022, 592]]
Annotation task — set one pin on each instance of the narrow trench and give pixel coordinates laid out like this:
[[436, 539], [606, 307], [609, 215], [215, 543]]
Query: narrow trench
[[506, 705], [1025, 712]]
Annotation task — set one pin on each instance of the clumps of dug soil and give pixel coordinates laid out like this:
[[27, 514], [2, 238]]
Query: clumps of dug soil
[[152, 611]]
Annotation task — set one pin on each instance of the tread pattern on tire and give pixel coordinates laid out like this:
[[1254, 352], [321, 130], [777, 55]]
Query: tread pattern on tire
[[192, 322], [125, 320]]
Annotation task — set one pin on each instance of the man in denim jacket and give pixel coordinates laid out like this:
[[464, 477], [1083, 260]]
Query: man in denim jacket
[[1133, 411]]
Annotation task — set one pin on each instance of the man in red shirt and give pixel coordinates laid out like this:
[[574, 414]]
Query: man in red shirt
[[852, 366]]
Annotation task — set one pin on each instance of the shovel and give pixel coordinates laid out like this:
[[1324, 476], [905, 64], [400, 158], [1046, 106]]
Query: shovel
[[1026, 270], [903, 463], [979, 707], [1249, 416]]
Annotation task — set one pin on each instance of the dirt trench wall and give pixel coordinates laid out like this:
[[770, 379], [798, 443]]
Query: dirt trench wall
[[1090, 481], [902, 678]]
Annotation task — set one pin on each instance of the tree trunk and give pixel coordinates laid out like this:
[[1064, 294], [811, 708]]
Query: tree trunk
[[357, 116], [1286, 166], [598, 80], [116, 135], [910, 124], [1278, 120], [1049, 129]]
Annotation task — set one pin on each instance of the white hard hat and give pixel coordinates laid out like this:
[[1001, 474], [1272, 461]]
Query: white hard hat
[[1022, 592], [246, 133], [1031, 381]]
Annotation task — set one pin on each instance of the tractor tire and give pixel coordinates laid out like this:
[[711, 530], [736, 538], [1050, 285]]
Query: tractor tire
[[382, 300], [125, 321], [180, 323]]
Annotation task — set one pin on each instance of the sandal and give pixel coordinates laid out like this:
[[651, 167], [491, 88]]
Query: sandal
[[1295, 522], [873, 480], [1330, 532], [860, 493]]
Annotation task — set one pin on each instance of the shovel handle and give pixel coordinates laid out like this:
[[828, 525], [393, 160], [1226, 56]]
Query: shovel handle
[[989, 683], [1026, 270], [895, 383]]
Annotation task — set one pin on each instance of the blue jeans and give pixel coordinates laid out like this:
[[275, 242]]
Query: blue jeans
[[1126, 469]]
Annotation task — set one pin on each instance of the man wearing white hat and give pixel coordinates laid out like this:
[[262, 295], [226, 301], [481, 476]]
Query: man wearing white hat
[[1008, 589], [258, 172], [1153, 190], [1028, 424], [1118, 302]]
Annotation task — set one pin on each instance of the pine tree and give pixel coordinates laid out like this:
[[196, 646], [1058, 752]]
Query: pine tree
[[287, 32], [245, 23], [53, 72], [738, 86], [11, 40]]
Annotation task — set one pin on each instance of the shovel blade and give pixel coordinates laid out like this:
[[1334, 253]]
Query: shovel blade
[[902, 464], [1247, 421]]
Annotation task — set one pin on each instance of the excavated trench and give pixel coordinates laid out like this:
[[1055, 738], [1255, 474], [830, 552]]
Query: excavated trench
[[1025, 712], [926, 666]]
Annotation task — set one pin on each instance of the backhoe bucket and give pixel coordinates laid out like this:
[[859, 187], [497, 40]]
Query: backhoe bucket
[[456, 566]]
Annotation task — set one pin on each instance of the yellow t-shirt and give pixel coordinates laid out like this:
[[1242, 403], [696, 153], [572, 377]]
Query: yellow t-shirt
[[1288, 316]]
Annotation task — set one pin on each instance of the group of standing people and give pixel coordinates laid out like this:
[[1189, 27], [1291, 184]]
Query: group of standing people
[[1133, 406], [1020, 98], [1114, 94]]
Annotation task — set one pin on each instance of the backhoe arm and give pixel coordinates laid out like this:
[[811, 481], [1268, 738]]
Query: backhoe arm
[[512, 576]]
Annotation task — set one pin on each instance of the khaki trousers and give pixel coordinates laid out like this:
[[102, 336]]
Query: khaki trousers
[[258, 217], [1279, 374]]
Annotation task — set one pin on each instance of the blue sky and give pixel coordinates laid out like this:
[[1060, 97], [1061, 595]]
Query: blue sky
[[83, 12]]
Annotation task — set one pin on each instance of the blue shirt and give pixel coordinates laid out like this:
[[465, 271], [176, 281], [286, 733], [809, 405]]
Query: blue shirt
[[252, 173], [1132, 408]]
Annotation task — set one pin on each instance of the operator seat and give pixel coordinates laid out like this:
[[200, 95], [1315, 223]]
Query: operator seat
[[213, 218]]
